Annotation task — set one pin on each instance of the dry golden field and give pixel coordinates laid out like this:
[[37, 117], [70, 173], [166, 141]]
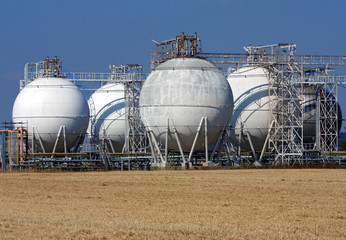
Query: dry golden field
[[197, 204]]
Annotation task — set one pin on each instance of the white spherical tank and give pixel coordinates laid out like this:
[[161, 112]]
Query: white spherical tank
[[107, 122], [250, 86], [48, 105], [185, 90]]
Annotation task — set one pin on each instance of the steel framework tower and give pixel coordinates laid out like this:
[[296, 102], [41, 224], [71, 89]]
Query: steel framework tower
[[132, 76], [285, 138]]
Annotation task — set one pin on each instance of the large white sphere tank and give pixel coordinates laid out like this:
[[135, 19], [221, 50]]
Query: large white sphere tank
[[250, 87], [107, 122], [186, 90], [45, 105]]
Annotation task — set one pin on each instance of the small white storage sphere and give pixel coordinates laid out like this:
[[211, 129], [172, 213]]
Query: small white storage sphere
[[48, 103], [107, 109], [185, 90]]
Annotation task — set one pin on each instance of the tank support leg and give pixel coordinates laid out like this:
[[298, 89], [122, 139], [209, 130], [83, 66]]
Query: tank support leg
[[226, 149], [195, 140], [57, 139], [222, 142], [80, 141], [39, 138], [111, 144], [64, 134], [265, 142], [251, 145], [231, 149], [156, 148], [152, 148], [179, 144], [206, 140], [217, 144]]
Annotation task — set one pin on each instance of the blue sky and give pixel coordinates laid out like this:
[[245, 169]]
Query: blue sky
[[90, 35]]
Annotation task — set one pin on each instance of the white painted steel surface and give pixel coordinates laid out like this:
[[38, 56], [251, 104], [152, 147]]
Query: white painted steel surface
[[107, 121], [49, 103], [250, 87], [185, 90]]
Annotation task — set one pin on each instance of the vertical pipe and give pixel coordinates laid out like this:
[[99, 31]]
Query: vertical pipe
[[127, 127], [11, 147], [21, 144], [336, 117], [195, 45], [16, 148], [8, 145], [33, 140], [4, 161], [26, 139], [318, 121]]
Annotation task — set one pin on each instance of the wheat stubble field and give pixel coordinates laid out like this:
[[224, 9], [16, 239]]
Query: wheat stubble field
[[212, 204]]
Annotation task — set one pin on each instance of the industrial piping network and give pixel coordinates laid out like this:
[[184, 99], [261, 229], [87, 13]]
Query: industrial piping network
[[141, 148]]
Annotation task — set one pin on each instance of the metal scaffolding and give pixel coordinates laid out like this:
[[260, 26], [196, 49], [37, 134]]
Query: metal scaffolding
[[132, 77], [180, 46], [285, 138]]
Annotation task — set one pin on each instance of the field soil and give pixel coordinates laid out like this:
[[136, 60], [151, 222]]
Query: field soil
[[197, 204]]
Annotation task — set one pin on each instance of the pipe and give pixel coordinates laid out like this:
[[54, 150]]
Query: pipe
[[10, 139], [21, 143]]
